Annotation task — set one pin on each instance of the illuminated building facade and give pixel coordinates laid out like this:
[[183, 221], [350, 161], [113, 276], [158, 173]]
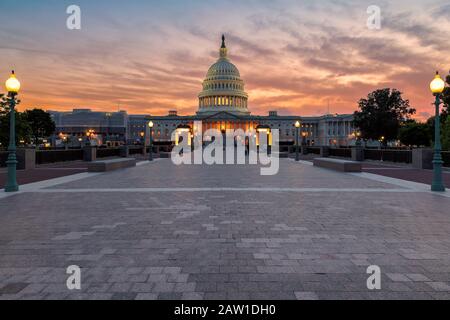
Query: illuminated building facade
[[223, 104]]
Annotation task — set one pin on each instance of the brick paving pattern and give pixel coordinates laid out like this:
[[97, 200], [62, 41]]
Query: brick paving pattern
[[312, 242]]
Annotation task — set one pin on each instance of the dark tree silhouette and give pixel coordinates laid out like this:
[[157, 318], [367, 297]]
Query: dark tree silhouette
[[22, 127], [381, 114], [446, 96], [41, 124], [413, 133]]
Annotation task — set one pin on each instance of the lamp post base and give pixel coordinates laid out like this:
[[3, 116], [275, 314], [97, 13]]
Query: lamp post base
[[437, 185], [437, 188], [11, 188], [150, 153], [11, 185]]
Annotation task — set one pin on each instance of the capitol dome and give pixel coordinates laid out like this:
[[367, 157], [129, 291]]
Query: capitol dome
[[221, 68], [223, 88]]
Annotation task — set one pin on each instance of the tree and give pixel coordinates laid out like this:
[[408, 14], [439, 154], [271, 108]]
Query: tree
[[381, 114], [41, 124], [3, 104], [413, 133], [23, 130], [430, 122], [446, 97], [446, 135], [22, 127]]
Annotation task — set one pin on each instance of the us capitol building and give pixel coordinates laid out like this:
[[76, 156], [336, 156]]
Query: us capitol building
[[223, 104]]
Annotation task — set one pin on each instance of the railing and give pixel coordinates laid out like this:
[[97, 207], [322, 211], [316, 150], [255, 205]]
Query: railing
[[108, 152], [135, 150], [400, 156], [52, 156], [341, 152], [446, 158], [3, 158], [161, 148], [314, 150]]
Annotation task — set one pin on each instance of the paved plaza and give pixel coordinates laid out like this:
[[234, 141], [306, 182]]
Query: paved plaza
[[159, 231]]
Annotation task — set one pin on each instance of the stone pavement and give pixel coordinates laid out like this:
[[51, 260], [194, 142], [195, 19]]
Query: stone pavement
[[159, 231]]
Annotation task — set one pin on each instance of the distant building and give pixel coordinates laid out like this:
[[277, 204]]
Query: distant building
[[136, 128], [80, 123]]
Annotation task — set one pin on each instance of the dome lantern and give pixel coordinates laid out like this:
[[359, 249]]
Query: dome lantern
[[223, 49]]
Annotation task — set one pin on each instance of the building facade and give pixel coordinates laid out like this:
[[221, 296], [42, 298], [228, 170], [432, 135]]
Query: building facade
[[80, 125], [223, 104]]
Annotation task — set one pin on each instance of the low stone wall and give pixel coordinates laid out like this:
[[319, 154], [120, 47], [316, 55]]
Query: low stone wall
[[338, 164], [110, 165], [53, 156], [108, 152], [400, 156]]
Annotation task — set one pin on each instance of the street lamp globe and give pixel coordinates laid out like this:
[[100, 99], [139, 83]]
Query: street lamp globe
[[12, 84], [150, 124], [297, 124], [437, 86]]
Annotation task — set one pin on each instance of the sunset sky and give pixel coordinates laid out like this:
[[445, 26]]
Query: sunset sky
[[147, 57]]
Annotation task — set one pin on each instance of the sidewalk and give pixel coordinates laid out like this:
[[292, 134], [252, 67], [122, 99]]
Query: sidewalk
[[51, 171], [404, 172], [45, 172]]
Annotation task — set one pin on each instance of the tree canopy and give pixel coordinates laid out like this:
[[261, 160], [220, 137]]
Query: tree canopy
[[413, 133], [34, 123], [41, 124], [446, 97], [382, 113], [446, 135]]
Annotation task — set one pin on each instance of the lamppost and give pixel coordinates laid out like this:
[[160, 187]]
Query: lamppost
[[12, 87], [304, 135], [297, 153], [381, 141], [358, 138], [437, 86], [150, 157], [108, 118], [66, 143]]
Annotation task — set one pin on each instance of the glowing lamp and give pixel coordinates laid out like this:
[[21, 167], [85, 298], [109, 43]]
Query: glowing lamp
[[12, 84], [437, 85]]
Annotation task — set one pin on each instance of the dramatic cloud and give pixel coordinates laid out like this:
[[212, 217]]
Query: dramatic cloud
[[148, 57]]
